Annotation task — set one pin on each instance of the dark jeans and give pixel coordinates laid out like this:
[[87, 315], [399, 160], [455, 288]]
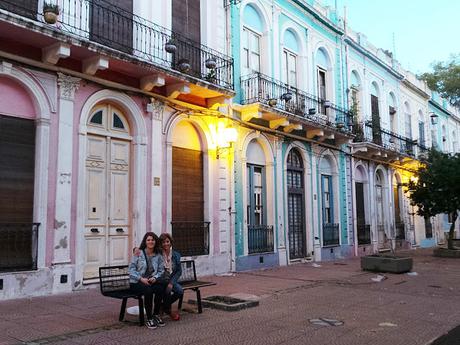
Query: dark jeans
[[148, 291], [172, 296]]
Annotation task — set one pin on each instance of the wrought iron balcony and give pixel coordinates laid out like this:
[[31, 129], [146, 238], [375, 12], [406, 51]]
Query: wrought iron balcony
[[259, 88], [18, 246], [260, 239], [364, 234], [101, 22], [330, 234], [384, 138], [191, 238]]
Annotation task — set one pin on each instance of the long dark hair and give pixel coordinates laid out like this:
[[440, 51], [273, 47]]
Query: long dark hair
[[144, 241]]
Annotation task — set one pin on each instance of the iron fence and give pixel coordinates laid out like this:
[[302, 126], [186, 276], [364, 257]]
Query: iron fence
[[385, 138], [330, 234], [364, 234], [191, 238], [260, 239], [259, 88], [117, 28], [18, 246]]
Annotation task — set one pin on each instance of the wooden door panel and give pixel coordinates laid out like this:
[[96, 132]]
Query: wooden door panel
[[119, 198], [118, 250], [96, 195], [95, 255]]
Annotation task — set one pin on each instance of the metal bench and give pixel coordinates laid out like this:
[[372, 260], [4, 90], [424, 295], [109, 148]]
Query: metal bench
[[114, 282], [189, 281]]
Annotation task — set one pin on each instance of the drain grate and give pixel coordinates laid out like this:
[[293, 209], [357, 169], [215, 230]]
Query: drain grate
[[326, 322], [226, 303]]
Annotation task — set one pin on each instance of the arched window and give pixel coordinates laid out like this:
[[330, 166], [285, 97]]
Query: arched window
[[392, 112], [251, 40], [355, 94], [322, 68], [375, 114], [407, 121], [421, 128], [290, 53]]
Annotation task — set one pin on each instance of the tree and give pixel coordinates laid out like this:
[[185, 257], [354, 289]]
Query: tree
[[445, 79], [436, 188]]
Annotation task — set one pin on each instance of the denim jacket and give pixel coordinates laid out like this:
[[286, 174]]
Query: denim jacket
[[138, 267], [176, 267]]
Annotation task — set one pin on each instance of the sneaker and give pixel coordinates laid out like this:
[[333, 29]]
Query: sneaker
[[152, 323], [174, 316], [158, 320]]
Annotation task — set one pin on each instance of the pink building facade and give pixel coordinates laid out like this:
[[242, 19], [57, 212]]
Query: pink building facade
[[102, 140]]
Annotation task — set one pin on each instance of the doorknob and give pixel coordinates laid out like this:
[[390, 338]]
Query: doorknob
[[119, 230], [94, 230]]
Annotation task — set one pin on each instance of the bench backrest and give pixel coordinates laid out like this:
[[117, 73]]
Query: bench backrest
[[188, 271], [113, 278]]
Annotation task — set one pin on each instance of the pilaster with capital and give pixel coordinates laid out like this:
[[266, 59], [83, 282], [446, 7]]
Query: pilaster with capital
[[62, 226]]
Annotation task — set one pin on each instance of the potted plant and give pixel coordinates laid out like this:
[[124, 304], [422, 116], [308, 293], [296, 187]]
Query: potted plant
[[50, 12]]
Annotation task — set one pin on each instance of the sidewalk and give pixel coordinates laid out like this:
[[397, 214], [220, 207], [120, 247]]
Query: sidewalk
[[402, 309]]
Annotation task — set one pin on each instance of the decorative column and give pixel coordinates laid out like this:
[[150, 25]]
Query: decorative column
[[156, 109], [67, 87]]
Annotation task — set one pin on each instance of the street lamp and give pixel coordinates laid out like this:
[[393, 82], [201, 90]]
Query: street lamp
[[434, 118]]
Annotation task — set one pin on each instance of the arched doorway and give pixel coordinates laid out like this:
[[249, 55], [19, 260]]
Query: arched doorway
[[296, 216], [400, 232], [190, 231], [108, 173]]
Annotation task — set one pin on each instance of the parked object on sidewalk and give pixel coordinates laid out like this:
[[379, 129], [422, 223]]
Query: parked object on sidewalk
[[189, 281], [385, 263], [114, 282]]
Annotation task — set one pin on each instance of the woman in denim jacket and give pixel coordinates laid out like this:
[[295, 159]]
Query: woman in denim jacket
[[145, 271], [173, 269]]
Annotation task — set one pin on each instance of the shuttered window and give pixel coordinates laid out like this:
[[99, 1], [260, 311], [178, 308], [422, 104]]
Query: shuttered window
[[17, 162]]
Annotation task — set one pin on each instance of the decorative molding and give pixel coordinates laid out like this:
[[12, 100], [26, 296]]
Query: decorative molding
[[67, 86], [156, 108]]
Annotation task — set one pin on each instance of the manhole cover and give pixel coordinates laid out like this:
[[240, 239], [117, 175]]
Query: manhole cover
[[226, 303], [326, 322]]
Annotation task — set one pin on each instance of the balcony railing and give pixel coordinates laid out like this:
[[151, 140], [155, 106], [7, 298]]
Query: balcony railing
[[382, 137], [259, 88], [260, 239], [102, 22], [364, 234], [330, 234], [191, 238], [18, 246]]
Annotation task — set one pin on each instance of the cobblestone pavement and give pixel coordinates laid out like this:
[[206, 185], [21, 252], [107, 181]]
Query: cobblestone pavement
[[401, 309]]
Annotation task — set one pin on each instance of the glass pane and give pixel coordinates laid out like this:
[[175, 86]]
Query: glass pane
[[97, 118], [117, 123], [255, 43]]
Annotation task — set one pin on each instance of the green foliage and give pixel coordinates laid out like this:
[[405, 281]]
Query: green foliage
[[49, 7], [436, 188], [445, 79]]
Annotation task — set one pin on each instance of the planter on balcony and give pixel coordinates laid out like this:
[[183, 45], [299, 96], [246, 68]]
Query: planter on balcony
[[50, 13], [384, 263]]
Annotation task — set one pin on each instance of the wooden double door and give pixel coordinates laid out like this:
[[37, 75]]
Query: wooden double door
[[107, 230]]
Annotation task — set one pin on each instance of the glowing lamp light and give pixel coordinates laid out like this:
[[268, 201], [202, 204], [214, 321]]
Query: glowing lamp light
[[230, 135], [414, 179]]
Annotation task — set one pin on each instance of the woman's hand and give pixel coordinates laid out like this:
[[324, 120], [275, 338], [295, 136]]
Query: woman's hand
[[136, 251], [145, 281], [152, 280]]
